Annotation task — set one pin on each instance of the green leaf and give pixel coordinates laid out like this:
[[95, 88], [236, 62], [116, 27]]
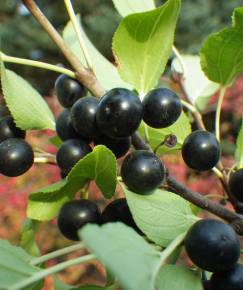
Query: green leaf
[[239, 149], [105, 71], [100, 166], [126, 254], [222, 53], [162, 216], [46, 203], [126, 7], [181, 129], [26, 105], [27, 241], [15, 267], [198, 87], [142, 45], [176, 277]]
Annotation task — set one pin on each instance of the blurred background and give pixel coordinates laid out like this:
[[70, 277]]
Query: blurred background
[[21, 36]]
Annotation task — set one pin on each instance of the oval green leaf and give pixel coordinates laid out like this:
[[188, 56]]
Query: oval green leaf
[[162, 215], [125, 253], [222, 52], [142, 45], [26, 105]]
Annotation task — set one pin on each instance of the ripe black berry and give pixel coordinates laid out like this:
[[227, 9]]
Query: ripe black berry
[[228, 280], [119, 113], [212, 245], [8, 129], [70, 152], [201, 150], [161, 108], [68, 90], [118, 146], [64, 127], [118, 211], [83, 114], [74, 215], [236, 184], [17, 157], [142, 172]]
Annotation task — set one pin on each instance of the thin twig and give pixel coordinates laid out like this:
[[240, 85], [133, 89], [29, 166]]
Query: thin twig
[[85, 76]]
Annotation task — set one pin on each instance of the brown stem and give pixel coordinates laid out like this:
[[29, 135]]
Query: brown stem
[[139, 144], [85, 76]]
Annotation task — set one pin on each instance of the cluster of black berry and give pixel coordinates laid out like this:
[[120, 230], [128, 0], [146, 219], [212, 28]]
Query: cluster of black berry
[[111, 122], [77, 213], [213, 246], [16, 155]]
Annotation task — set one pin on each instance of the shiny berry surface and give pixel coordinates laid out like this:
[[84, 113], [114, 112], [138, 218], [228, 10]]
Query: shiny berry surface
[[68, 90], [83, 115], [16, 158], [212, 245], [70, 152], [119, 113], [228, 280], [74, 215], [142, 172], [118, 146], [8, 129], [161, 108], [201, 150], [64, 127], [118, 211], [236, 184]]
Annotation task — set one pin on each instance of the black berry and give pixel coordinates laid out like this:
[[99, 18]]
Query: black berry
[[8, 129], [70, 152], [118, 146], [64, 127], [236, 184], [161, 108], [118, 211], [119, 113], [228, 280], [212, 245], [68, 90], [74, 215], [17, 157], [201, 150], [142, 171], [83, 114]]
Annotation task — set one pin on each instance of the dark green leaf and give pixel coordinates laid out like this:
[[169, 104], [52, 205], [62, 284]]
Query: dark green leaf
[[142, 45], [26, 105], [124, 253], [222, 53]]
